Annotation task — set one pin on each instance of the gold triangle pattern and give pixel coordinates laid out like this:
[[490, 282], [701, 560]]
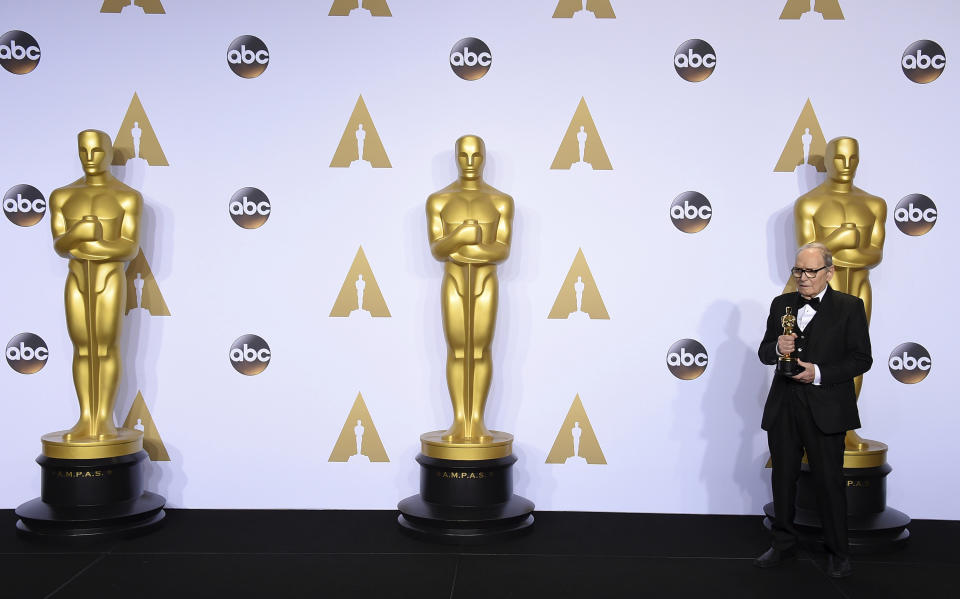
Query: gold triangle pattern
[[359, 439]]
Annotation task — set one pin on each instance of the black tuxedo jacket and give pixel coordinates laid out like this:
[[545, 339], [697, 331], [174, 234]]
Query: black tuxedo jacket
[[838, 342]]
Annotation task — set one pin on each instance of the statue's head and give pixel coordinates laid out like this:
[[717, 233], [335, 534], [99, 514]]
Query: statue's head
[[841, 159], [470, 154], [96, 151]]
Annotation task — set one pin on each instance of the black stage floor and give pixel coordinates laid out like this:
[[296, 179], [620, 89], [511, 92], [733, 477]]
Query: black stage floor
[[364, 555]]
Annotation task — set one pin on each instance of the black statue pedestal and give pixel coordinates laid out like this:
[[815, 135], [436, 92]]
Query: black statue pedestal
[[465, 502], [91, 500], [872, 526]]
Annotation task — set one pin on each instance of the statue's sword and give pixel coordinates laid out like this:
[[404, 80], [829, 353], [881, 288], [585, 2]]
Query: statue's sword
[[468, 318], [93, 355]]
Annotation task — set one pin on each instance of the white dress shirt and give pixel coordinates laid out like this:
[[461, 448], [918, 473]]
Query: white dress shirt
[[804, 316]]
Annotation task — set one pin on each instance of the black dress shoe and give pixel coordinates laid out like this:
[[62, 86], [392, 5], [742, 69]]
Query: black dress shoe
[[839, 567], [774, 557]]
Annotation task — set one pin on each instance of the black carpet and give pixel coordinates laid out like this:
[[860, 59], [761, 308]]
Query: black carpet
[[364, 554]]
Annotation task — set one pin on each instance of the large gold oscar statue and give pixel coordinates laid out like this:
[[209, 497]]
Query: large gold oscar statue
[[850, 222], [469, 224], [95, 223], [92, 475], [466, 482]]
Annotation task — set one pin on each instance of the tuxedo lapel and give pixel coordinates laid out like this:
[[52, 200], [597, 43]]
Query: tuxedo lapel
[[821, 319]]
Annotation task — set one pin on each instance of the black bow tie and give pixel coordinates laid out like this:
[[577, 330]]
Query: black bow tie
[[812, 302]]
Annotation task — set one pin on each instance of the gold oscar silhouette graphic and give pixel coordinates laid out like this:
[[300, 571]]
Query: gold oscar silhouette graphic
[[806, 144], [96, 226], [359, 440], [812, 9], [360, 145], [360, 294], [149, 7], [466, 483], [803, 151], [139, 418], [576, 443], [143, 293], [369, 8], [136, 138], [579, 297], [568, 9], [851, 224], [581, 148]]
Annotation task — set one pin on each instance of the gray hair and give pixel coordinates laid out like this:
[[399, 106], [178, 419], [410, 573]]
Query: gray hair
[[824, 251]]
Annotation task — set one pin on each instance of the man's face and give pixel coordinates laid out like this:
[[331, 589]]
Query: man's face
[[470, 156], [843, 156], [811, 259], [95, 152]]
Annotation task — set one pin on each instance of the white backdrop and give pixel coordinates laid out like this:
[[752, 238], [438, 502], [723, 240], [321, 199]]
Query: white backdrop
[[671, 445]]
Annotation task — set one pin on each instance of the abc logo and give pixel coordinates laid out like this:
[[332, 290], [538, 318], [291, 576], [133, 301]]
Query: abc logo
[[923, 61], [687, 359], [24, 205], [19, 52], [909, 363], [250, 354], [249, 207], [915, 214], [248, 56], [470, 58], [690, 212], [26, 353], [695, 60]]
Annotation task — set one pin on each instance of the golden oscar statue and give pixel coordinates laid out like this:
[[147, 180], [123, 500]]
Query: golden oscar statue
[[470, 225], [850, 222], [95, 224], [467, 466]]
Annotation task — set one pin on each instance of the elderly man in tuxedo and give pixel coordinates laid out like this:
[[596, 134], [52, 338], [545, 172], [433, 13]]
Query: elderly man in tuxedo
[[813, 410]]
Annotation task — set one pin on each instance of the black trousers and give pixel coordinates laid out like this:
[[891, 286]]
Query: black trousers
[[794, 431]]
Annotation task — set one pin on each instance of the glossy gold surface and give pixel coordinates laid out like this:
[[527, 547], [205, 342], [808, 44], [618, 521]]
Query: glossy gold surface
[[850, 222], [435, 445], [95, 224], [789, 323], [124, 442], [469, 225]]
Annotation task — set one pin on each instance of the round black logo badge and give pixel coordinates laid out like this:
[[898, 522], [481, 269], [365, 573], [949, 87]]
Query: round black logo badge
[[695, 60], [26, 353], [24, 205], [909, 363], [248, 56], [691, 212], [250, 354], [19, 52], [470, 58], [249, 207], [687, 359], [923, 61], [915, 214]]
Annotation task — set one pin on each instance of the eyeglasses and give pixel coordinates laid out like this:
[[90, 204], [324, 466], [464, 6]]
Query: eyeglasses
[[809, 272]]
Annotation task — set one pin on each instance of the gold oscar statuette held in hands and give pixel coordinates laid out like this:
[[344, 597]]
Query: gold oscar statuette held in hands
[[787, 365], [469, 224], [95, 224]]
